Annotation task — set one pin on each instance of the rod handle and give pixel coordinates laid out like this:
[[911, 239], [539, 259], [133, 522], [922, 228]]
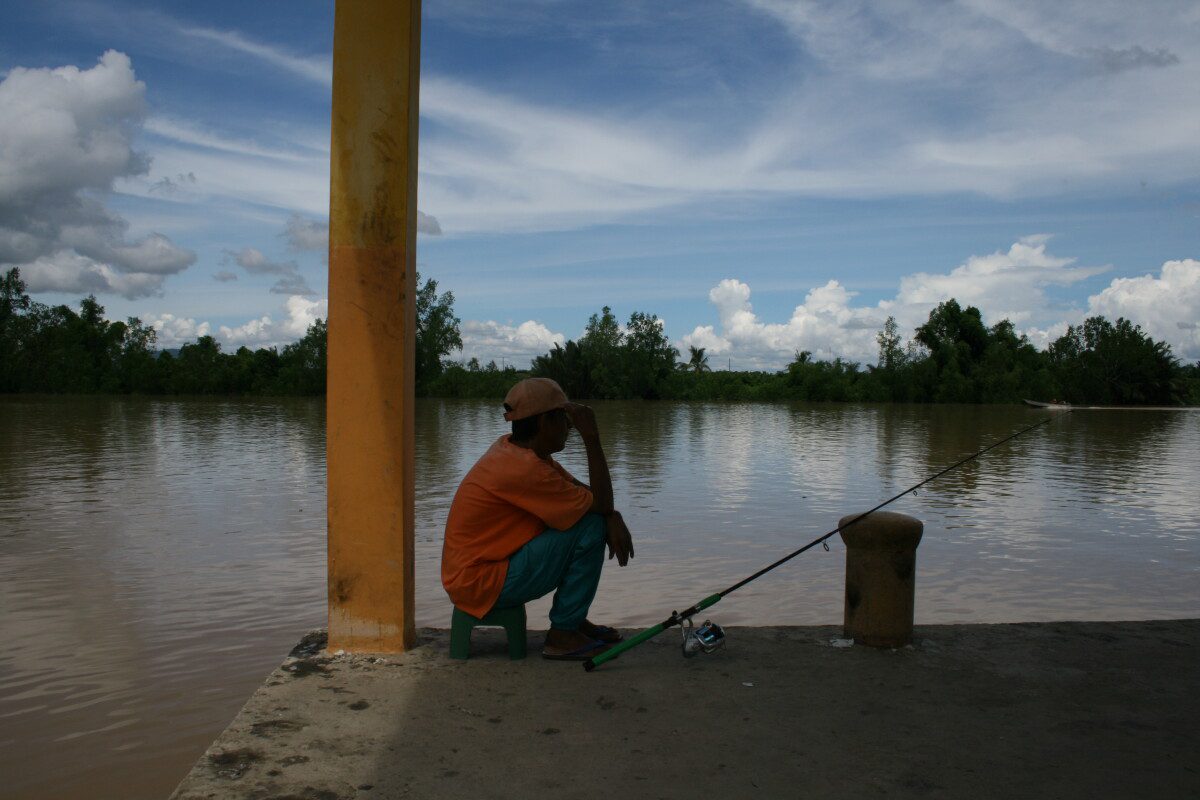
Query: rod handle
[[621, 647]]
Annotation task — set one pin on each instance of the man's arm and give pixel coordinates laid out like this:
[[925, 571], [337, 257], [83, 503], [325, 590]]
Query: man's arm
[[584, 420], [620, 543]]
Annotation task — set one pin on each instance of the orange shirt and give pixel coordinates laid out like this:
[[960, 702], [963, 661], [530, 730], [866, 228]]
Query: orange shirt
[[508, 497]]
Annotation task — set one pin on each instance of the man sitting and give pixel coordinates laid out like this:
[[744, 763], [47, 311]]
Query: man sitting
[[521, 526]]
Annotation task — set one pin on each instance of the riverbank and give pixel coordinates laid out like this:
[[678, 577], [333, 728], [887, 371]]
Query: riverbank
[[1094, 709]]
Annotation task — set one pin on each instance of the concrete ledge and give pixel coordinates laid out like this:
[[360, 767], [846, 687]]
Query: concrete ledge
[[1065, 710]]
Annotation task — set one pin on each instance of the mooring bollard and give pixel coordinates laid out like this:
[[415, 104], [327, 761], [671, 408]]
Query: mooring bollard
[[881, 560]]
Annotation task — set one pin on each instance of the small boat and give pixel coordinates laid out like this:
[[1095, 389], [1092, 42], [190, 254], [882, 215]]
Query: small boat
[[1068, 407]]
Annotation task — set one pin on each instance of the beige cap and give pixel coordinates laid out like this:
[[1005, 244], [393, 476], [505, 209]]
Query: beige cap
[[533, 396]]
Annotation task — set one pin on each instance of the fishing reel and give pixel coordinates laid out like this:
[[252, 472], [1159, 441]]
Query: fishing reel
[[708, 638]]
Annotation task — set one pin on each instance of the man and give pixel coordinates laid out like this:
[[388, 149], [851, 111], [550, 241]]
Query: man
[[521, 526]]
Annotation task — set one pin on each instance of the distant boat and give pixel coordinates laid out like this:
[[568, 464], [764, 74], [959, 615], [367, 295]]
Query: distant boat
[[1068, 407]]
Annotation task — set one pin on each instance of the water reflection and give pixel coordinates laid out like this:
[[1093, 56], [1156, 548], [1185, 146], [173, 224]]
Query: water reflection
[[157, 557]]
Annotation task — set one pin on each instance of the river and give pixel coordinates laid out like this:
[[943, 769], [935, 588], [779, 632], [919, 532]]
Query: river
[[159, 557]]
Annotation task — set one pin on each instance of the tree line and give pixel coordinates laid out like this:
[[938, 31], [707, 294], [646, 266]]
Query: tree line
[[56, 349], [952, 358]]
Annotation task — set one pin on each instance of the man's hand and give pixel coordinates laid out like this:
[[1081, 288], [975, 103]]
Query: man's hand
[[583, 418], [620, 542]]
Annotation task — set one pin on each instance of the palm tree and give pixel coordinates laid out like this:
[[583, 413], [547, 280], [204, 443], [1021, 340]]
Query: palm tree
[[697, 361]]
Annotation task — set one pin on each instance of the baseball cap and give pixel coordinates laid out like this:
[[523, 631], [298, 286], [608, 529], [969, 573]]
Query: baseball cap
[[533, 396]]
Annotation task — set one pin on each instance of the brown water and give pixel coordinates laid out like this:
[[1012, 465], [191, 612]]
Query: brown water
[[159, 557]]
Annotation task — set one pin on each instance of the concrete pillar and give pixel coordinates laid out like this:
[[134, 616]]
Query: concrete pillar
[[372, 324], [881, 560]]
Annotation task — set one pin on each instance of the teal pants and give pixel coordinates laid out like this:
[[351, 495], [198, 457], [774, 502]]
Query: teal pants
[[567, 563]]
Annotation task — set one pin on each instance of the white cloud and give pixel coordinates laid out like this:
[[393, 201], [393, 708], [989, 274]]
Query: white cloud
[[176, 331], [514, 345], [995, 97], [65, 137], [824, 324], [318, 69], [298, 314], [908, 102], [1167, 307], [1009, 284], [66, 129], [224, 276], [72, 272], [292, 285], [253, 261], [302, 313], [306, 234], [427, 223]]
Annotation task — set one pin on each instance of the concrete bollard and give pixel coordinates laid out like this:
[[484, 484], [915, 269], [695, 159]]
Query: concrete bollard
[[881, 560]]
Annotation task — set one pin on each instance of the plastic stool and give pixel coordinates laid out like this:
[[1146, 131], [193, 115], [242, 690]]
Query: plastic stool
[[511, 619]]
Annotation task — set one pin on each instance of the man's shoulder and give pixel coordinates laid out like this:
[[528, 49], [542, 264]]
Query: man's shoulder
[[508, 463]]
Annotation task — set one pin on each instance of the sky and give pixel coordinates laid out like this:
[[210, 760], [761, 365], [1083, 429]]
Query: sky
[[763, 176]]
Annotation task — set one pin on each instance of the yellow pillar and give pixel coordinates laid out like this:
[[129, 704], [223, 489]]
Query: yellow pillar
[[372, 324]]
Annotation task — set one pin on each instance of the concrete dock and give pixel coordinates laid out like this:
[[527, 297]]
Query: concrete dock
[[1061, 710]]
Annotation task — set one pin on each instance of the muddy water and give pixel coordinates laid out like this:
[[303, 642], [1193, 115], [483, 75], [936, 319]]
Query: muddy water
[[157, 558]]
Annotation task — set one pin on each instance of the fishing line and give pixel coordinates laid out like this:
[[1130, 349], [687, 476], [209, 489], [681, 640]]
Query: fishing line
[[680, 617]]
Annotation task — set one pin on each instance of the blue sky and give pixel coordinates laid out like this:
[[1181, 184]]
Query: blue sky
[[765, 176]]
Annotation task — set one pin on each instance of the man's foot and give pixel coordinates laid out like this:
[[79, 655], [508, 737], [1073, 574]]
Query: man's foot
[[600, 632], [571, 646]]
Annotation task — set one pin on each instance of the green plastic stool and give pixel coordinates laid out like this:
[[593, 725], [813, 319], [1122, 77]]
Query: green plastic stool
[[511, 619]]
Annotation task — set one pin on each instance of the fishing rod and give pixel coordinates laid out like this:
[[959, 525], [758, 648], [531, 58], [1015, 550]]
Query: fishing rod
[[709, 636]]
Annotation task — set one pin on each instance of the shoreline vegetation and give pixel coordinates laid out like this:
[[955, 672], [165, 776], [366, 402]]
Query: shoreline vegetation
[[952, 358]]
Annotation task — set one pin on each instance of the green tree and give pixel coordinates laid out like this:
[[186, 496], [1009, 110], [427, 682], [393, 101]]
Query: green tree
[[14, 324], [437, 331], [697, 361], [600, 347], [138, 366], [568, 365], [1102, 362], [302, 364], [891, 354], [201, 369], [956, 339], [647, 356]]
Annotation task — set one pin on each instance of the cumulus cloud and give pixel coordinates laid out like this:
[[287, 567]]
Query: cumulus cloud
[[254, 262], [1167, 306], [427, 223], [495, 341], [292, 284], [299, 313], [306, 234], [176, 331], [65, 136], [1003, 285], [824, 324], [73, 272]]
